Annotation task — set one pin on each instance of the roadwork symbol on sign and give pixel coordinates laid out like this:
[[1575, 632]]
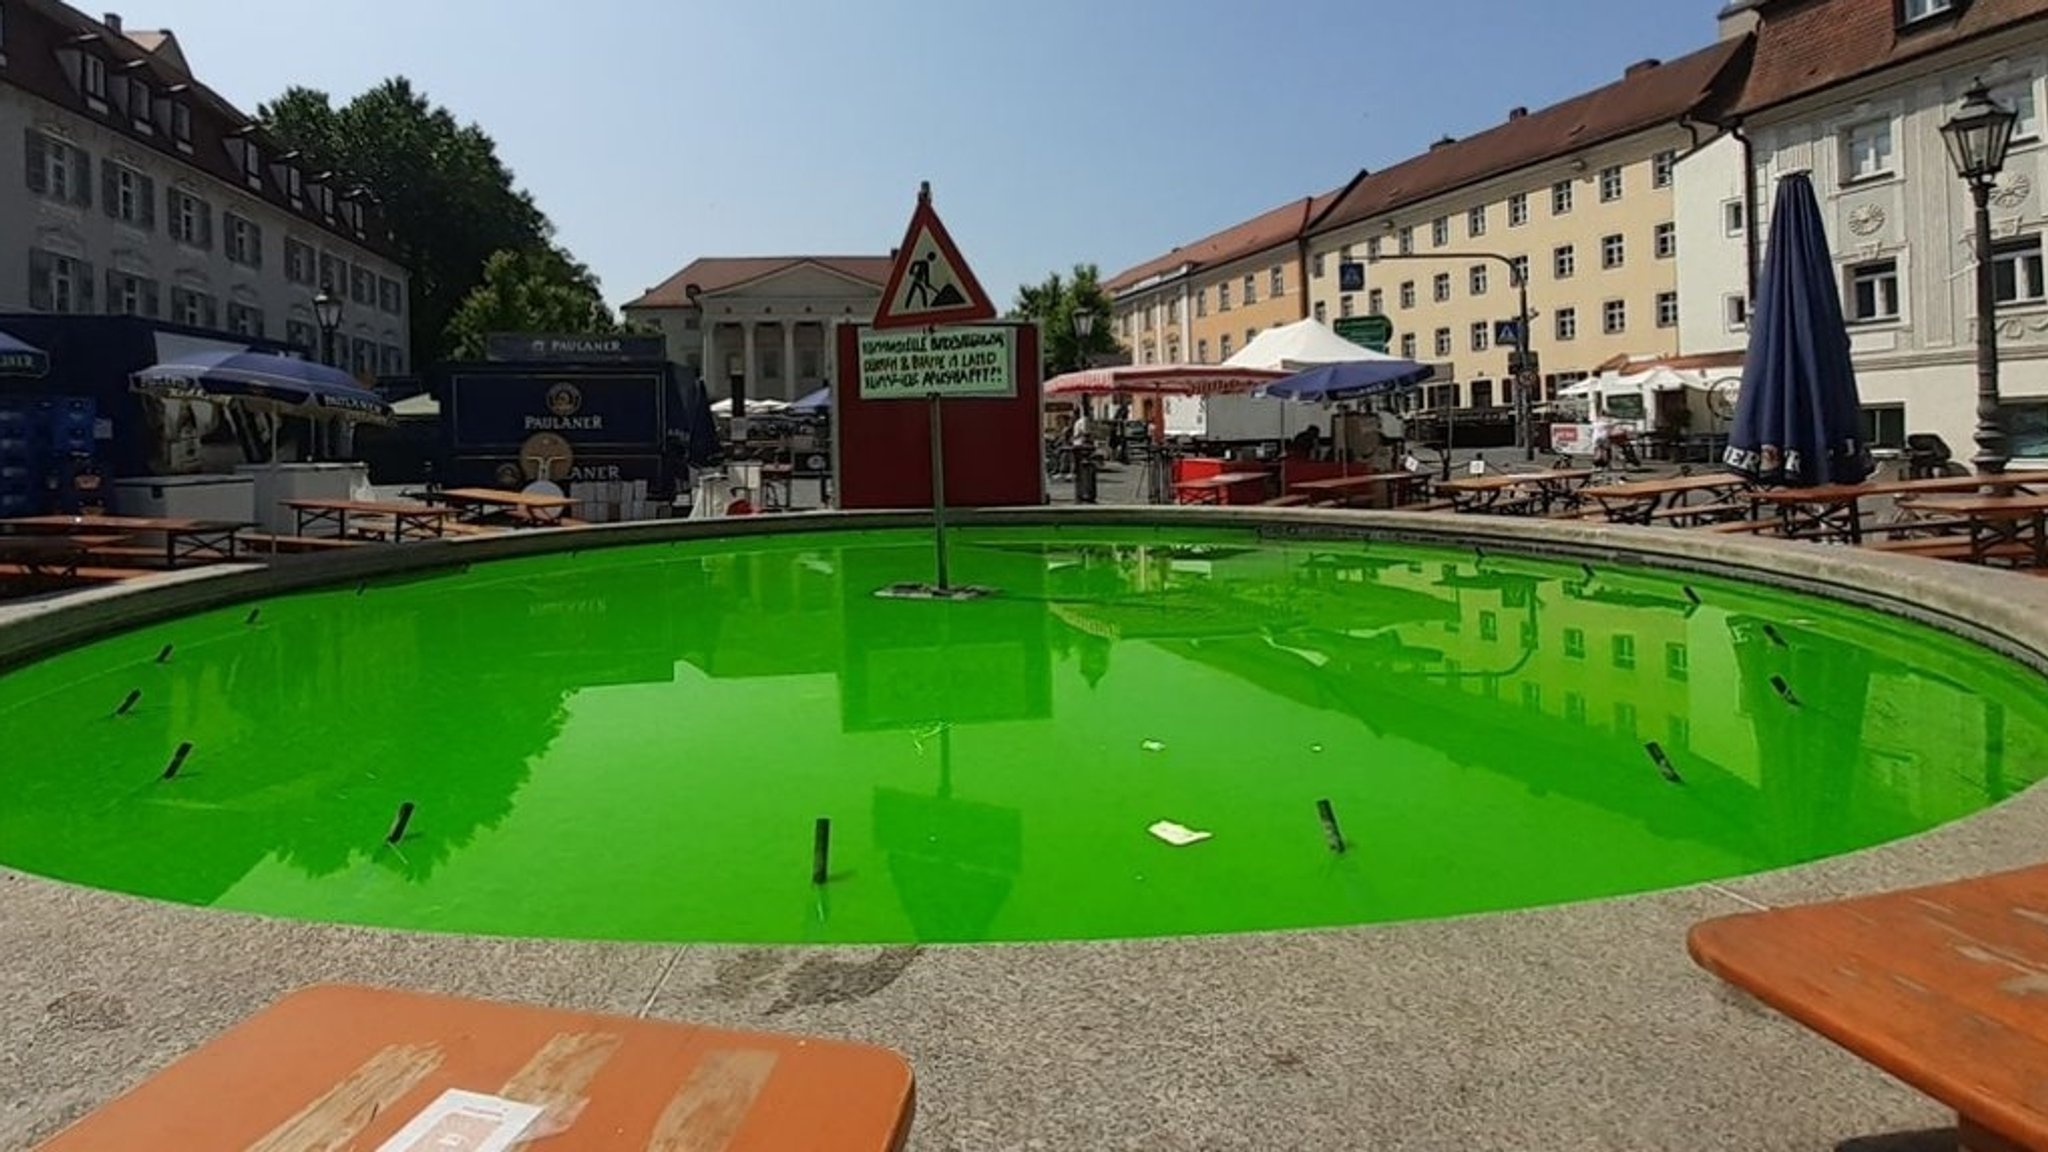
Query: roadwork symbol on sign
[[930, 283]]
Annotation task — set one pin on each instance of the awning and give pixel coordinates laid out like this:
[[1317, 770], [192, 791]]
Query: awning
[[261, 379], [1160, 380], [22, 360]]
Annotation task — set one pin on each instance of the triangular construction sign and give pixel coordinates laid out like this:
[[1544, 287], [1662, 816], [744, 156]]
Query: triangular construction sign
[[930, 284]]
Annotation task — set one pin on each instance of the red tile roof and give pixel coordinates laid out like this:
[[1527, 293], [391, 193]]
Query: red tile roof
[[1282, 225], [1651, 94], [1803, 46], [719, 273]]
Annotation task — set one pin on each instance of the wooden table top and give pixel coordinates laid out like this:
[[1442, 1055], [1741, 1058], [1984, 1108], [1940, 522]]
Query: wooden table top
[[1515, 479], [335, 1067], [1944, 987], [1223, 480], [77, 524], [1849, 493], [1637, 489], [1989, 506], [368, 507], [64, 545], [501, 497]]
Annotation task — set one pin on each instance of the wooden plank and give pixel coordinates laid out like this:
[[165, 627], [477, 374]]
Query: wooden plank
[[336, 1118], [1944, 987], [707, 1113], [558, 1078]]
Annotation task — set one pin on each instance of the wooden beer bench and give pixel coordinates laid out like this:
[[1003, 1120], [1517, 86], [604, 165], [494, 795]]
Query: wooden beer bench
[[1944, 987], [340, 1067]]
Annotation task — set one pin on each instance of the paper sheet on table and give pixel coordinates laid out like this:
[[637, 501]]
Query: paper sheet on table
[[1178, 835], [464, 1122]]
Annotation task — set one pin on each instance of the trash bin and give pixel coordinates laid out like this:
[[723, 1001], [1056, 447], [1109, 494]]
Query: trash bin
[[1084, 478]]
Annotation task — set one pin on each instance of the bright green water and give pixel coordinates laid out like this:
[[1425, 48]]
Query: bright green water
[[634, 743]]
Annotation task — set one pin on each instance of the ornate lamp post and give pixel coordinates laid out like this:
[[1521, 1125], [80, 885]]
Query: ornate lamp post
[[1978, 135], [327, 311]]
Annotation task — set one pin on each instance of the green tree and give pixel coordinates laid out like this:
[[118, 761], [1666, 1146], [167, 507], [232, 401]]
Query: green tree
[[539, 290], [1053, 303], [450, 203]]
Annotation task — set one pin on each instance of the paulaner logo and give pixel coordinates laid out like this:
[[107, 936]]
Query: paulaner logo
[[563, 402]]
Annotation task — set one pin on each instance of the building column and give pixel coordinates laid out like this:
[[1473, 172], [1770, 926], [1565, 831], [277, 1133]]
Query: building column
[[749, 367], [708, 367], [789, 360], [828, 341]]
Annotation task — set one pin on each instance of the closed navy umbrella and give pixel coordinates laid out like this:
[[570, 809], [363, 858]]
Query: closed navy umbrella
[[1799, 422]]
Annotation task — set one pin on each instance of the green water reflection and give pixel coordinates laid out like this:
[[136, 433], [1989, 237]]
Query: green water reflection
[[633, 744]]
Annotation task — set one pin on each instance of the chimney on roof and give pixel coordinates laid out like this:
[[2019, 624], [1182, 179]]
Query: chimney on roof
[[1641, 66], [1444, 142], [1518, 111], [1738, 18], [113, 22]]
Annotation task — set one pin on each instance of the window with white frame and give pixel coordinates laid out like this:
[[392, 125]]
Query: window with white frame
[[95, 82], [1251, 289], [141, 107], [1407, 293], [1734, 217], [1475, 221], [1315, 266], [1202, 351], [181, 124], [130, 196], [194, 308], [57, 169], [1564, 262], [1223, 296], [2016, 270], [1276, 281], [1443, 341], [1322, 311], [1735, 312], [1610, 183], [1518, 269], [1481, 336], [2018, 95], [1223, 346], [1201, 303], [131, 295], [244, 319], [1567, 324], [1408, 346], [1518, 209], [1662, 167], [1405, 242], [1614, 317], [1440, 287], [1667, 309], [1476, 277], [1867, 150], [1613, 251], [1561, 198], [1911, 10], [58, 283], [1440, 231], [191, 219], [1873, 291], [1375, 301], [299, 261], [1665, 240]]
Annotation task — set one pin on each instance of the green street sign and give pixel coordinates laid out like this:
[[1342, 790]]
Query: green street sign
[[1374, 332]]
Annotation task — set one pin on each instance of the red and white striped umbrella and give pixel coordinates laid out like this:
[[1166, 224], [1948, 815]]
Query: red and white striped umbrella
[[1161, 380]]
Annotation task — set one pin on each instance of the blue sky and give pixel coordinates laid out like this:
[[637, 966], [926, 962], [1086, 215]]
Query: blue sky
[[654, 131]]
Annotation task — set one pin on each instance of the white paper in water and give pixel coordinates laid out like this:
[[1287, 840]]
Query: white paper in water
[[1178, 835], [464, 1122]]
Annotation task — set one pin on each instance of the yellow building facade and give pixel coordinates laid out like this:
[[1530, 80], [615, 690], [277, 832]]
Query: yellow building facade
[[1200, 303]]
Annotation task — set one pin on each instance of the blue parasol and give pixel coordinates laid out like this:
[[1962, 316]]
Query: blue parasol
[[1799, 422], [21, 359], [283, 383], [1351, 379]]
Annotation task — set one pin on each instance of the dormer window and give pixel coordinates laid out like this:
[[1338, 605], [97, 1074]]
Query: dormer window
[[94, 82], [181, 124], [295, 186], [141, 107], [252, 164], [1914, 11]]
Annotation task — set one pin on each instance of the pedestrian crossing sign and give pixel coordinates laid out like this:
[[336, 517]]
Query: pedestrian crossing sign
[[930, 284]]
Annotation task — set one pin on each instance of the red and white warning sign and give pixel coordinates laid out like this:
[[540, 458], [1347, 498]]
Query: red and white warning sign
[[930, 283]]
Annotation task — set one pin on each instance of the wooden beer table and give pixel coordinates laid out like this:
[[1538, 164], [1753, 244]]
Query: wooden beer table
[[338, 1067]]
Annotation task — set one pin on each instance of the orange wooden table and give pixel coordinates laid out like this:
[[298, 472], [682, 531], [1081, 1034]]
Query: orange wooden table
[[1944, 987], [339, 1067]]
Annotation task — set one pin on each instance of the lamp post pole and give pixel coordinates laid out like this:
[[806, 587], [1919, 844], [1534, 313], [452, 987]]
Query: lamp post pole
[[1084, 452], [327, 311], [1977, 137], [1522, 377]]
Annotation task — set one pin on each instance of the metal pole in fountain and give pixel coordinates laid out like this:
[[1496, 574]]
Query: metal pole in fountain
[[939, 489]]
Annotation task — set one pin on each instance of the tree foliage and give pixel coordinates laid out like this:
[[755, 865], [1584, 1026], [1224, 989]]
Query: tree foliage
[[1053, 303], [451, 204], [540, 290]]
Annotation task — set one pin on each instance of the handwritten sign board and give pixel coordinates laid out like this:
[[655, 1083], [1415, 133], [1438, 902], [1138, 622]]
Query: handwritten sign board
[[941, 362]]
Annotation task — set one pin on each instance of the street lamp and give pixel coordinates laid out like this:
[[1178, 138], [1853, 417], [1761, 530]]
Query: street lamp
[[1523, 371], [1084, 458], [327, 310], [1084, 327], [1978, 135]]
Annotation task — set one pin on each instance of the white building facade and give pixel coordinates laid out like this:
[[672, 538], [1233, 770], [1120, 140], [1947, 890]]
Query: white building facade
[[126, 187], [1900, 223], [768, 321]]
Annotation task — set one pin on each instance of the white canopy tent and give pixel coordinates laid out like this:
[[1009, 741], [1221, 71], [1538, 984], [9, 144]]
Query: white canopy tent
[[1300, 346]]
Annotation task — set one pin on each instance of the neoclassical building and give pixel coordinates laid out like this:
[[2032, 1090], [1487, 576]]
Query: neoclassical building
[[767, 320]]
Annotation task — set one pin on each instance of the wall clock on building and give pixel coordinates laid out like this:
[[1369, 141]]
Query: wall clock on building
[[1721, 398]]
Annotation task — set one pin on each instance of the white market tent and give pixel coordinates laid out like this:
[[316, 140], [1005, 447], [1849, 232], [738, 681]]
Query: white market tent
[[1300, 346]]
